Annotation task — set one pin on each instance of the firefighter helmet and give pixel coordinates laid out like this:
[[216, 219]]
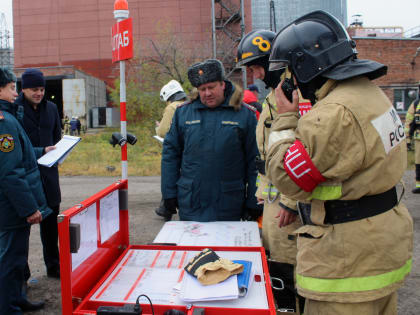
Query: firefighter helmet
[[317, 44], [254, 45], [171, 88]]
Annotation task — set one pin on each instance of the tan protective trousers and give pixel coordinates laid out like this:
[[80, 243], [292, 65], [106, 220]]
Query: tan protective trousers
[[281, 242], [384, 306], [417, 151]]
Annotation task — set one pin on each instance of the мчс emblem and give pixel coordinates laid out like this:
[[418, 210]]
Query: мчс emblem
[[7, 143]]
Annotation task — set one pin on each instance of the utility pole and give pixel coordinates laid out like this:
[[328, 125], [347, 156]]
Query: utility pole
[[121, 13], [273, 26]]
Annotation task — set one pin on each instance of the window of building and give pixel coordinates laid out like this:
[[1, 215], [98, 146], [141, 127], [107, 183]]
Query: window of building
[[402, 100]]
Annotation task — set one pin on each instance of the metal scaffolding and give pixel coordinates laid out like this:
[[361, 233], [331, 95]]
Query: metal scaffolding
[[6, 51], [228, 27]]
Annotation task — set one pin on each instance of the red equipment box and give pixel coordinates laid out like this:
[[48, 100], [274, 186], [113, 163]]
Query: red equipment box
[[100, 268]]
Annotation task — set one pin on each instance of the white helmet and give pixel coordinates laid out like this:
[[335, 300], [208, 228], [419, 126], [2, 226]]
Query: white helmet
[[170, 89]]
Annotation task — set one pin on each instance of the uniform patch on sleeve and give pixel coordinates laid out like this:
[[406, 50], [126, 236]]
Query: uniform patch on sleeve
[[1, 115], [390, 129], [7, 143], [192, 122], [226, 122]]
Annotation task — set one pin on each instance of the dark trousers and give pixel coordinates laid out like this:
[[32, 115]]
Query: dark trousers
[[14, 248], [49, 239]]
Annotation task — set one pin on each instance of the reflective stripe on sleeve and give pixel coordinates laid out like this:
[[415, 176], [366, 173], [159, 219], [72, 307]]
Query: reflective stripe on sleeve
[[270, 189], [326, 192], [356, 284]]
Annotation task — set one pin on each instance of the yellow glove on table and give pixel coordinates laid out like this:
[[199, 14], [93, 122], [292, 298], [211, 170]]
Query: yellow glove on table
[[209, 268]]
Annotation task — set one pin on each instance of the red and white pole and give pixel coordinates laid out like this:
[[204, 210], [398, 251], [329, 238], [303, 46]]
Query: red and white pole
[[121, 13]]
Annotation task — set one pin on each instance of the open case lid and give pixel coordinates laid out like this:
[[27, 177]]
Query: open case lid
[[92, 235]]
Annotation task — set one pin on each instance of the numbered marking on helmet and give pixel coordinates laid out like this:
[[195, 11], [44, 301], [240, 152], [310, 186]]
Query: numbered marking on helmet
[[263, 45]]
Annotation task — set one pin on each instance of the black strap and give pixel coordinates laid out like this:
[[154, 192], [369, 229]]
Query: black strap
[[341, 211]]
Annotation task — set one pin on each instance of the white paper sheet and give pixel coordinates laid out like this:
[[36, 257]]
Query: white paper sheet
[[156, 272], [109, 218], [88, 235], [220, 233], [193, 291], [62, 149]]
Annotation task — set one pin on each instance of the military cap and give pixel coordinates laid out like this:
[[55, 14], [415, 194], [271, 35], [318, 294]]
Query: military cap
[[6, 76], [210, 70]]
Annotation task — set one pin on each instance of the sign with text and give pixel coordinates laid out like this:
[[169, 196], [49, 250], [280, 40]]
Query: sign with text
[[122, 40]]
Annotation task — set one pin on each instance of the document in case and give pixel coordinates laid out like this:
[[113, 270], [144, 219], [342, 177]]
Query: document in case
[[62, 149], [245, 277], [193, 291]]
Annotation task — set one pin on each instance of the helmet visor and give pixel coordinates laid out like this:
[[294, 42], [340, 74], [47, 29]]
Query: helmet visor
[[278, 65]]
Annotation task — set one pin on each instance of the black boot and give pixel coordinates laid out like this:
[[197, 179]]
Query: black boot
[[161, 211]]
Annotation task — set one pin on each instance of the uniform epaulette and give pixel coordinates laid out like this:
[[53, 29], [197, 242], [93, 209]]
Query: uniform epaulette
[[251, 108], [1, 115], [185, 103]]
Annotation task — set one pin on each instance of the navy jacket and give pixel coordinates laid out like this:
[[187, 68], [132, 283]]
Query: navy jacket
[[208, 159], [44, 131], [21, 192]]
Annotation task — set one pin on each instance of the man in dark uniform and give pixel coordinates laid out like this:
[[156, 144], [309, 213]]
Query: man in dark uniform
[[22, 199], [208, 157], [43, 127]]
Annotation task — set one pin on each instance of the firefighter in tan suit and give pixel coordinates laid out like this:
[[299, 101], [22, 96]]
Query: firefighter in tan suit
[[412, 129], [173, 94], [342, 161], [253, 52]]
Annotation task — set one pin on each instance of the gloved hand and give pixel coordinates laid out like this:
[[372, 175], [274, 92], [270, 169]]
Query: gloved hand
[[171, 204], [252, 214]]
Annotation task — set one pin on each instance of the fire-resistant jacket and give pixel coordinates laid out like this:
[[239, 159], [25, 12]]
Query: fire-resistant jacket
[[356, 140], [266, 190], [44, 131], [21, 192], [168, 114], [208, 159], [409, 117]]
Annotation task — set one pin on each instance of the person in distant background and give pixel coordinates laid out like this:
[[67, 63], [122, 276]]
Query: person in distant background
[[73, 126], [78, 125], [42, 123], [173, 94], [254, 89], [412, 130]]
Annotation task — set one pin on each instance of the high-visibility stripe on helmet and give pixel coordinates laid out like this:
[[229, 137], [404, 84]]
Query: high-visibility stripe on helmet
[[354, 284]]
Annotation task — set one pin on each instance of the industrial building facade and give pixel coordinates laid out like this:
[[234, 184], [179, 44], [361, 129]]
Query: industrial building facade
[[77, 33], [289, 10]]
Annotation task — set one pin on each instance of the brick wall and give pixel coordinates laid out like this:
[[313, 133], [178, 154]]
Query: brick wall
[[77, 32]]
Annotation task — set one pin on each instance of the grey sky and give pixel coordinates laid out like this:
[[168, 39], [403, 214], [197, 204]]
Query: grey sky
[[403, 13]]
